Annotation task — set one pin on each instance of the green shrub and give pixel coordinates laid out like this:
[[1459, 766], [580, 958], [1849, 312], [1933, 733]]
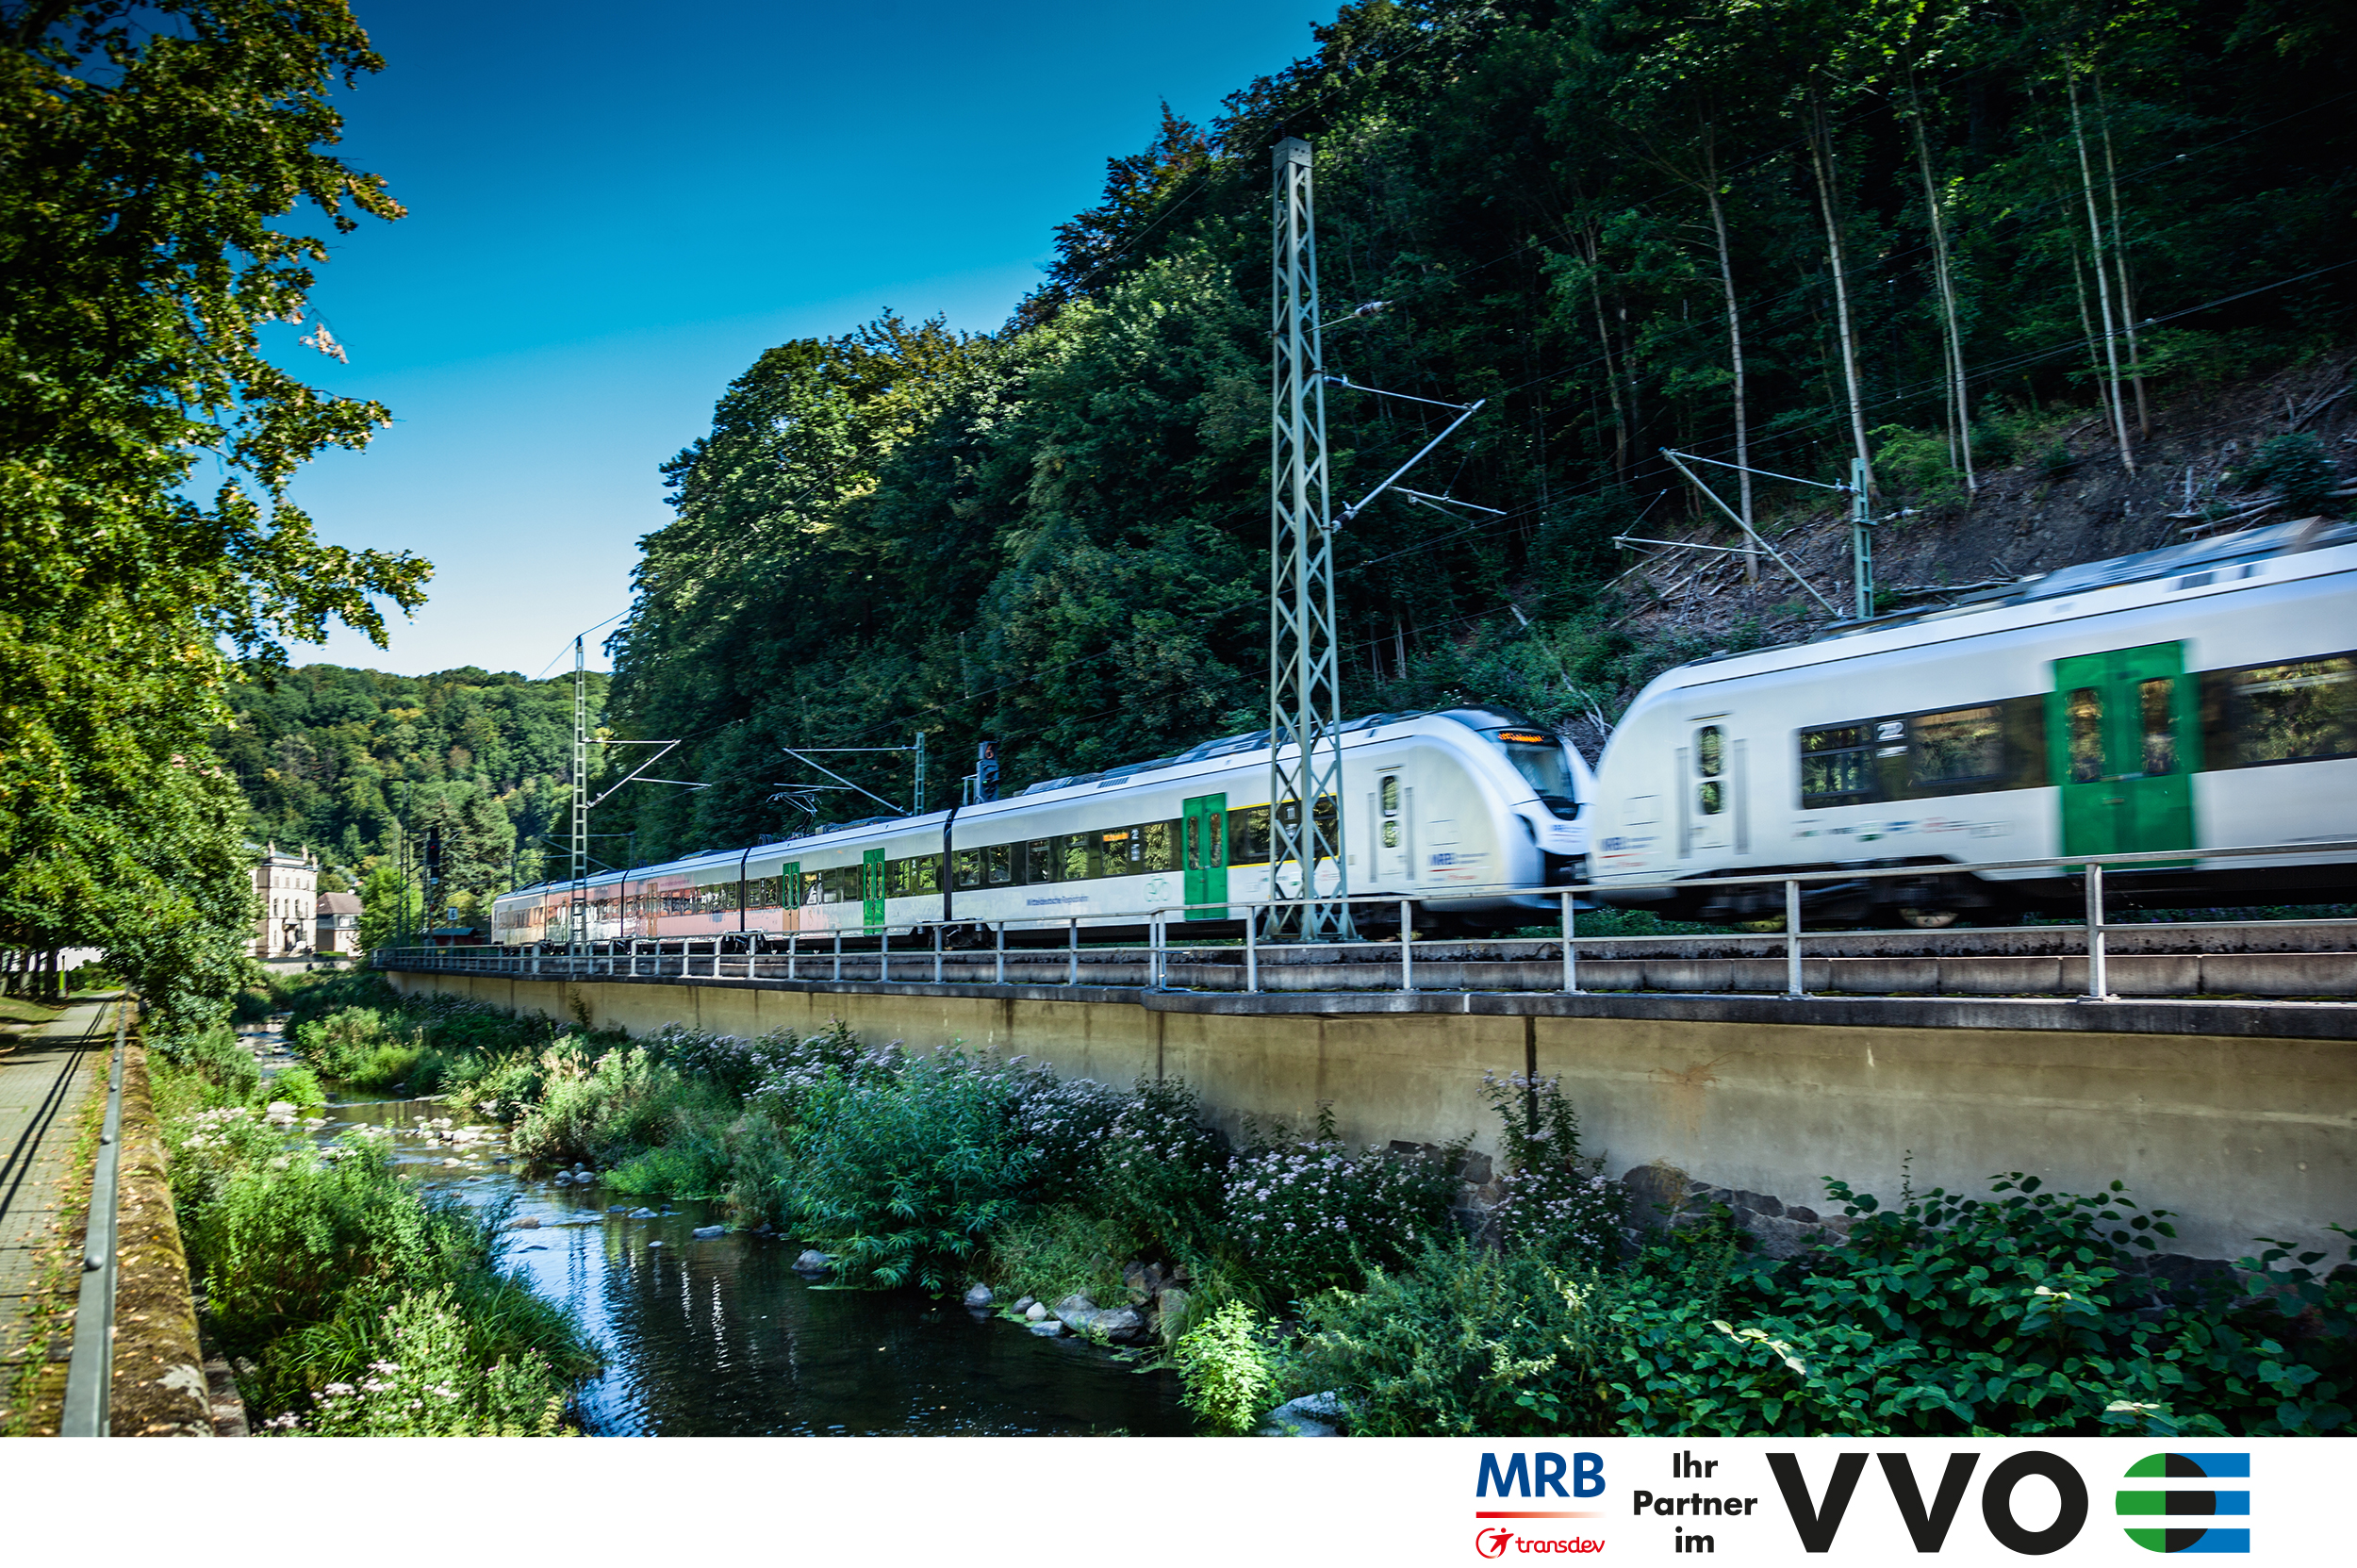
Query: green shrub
[[604, 1112], [1160, 1173], [902, 1176], [1054, 1251], [1915, 463], [1557, 1203], [430, 1383], [207, 1070], [2296, 469], [298, 1086], [675, 1170], [1312, 1214], [1470, 1340], [1226, 1371]]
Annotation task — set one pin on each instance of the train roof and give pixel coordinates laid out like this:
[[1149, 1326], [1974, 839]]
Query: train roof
[[2285, 539]]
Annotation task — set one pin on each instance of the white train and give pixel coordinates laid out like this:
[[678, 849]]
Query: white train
[[1461, 812], [2202, 696]]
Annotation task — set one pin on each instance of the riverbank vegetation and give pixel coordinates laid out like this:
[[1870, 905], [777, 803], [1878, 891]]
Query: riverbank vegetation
[[1285, 1263], [348, 1302]]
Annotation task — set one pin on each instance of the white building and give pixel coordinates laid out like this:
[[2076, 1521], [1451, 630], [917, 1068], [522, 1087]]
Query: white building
[[339, 924], [286, 887]]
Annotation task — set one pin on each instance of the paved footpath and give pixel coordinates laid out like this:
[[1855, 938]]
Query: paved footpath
[[44, 1075]]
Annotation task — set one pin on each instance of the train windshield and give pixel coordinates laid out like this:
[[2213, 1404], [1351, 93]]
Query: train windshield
[[1538, 758]]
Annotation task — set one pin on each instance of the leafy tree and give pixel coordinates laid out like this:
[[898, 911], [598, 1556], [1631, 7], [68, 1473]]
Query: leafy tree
[[151, 153]]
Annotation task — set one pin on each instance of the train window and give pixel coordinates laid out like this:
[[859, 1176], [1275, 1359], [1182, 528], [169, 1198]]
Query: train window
[[2083, 712], [1328, 817], [2295, 712], [1247, 836], [1195, 844], [1000, 858], [1836, 768], [1040, 860], [966, 867], [1959, 746], [1711, 761], [1162, 846], [1391, 835], [1119, 847], [2156, 705], [1390, 796], [1072, 856]]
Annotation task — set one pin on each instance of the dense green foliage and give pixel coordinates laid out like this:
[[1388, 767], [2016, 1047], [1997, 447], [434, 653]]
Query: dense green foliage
[[1056, 534], [151, 153], [334, 758], [338, 1290], [1945, 1316]]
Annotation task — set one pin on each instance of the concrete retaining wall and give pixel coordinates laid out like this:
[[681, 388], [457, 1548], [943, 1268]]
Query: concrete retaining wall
[[2241, 1132]]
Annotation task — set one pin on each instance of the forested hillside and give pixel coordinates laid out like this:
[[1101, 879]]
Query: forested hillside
[[1995, 249], [332, 758]]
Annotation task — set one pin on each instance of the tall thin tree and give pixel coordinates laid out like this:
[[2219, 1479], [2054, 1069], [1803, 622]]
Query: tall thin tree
[[1952, 331], [1821, 152], [2103, 279]]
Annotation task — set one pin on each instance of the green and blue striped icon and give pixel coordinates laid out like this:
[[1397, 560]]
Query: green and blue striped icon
[[2188, 1502]]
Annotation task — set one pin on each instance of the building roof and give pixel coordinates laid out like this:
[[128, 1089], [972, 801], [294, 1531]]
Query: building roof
[[340, 903]]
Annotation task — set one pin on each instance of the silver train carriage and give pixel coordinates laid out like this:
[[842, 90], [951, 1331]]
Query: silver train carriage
[[1461, 812], [2198, 697]]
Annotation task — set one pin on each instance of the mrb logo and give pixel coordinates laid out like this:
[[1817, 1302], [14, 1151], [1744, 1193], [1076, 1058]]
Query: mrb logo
[[1536, 1478], [1521, 1471]]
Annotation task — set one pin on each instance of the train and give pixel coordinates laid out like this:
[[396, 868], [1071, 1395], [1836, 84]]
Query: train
[[2194, 698], [1458, 813], [2198, 697]]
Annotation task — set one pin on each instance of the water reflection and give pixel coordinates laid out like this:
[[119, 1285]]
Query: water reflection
[[719, 1337]]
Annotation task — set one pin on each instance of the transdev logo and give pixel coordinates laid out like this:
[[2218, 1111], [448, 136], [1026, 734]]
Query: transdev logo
[[2188, 1502]]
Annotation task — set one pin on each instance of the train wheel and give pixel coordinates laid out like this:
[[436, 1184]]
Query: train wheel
[[1930, 919]]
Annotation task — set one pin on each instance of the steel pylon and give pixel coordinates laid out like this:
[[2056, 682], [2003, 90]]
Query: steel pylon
[[1306, 859], [577, 911]]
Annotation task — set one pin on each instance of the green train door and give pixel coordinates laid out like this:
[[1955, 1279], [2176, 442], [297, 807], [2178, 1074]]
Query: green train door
[[871, 888], [1206, 831], [2123, 734]]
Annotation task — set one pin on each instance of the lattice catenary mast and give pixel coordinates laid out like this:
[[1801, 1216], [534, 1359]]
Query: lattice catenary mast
[[1305, 679]]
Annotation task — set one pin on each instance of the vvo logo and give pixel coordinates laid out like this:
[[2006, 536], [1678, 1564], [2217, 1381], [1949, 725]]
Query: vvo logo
[[2179, 1504], [1819, 1518]]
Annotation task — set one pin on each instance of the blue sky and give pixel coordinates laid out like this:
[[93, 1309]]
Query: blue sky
[[614, 211]]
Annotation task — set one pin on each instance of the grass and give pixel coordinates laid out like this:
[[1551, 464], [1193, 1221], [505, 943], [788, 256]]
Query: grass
[[321, 1269], [1055, 1251]]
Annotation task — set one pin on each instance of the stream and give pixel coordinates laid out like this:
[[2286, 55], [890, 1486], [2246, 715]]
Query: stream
[[720, 1337]]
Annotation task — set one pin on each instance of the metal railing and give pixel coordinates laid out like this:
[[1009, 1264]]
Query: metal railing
[[89, 1376], [791, 957]]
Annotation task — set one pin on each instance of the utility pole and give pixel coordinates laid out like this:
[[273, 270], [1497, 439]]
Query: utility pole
[[917, 801], [1305, 682], [577, 917], [1861, 545]]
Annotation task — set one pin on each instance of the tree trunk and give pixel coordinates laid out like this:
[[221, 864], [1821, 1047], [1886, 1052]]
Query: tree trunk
[[1959, 409], [1735, 353], [1611, 373], [2119, 262], [1823, 159], [2103, 283]]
